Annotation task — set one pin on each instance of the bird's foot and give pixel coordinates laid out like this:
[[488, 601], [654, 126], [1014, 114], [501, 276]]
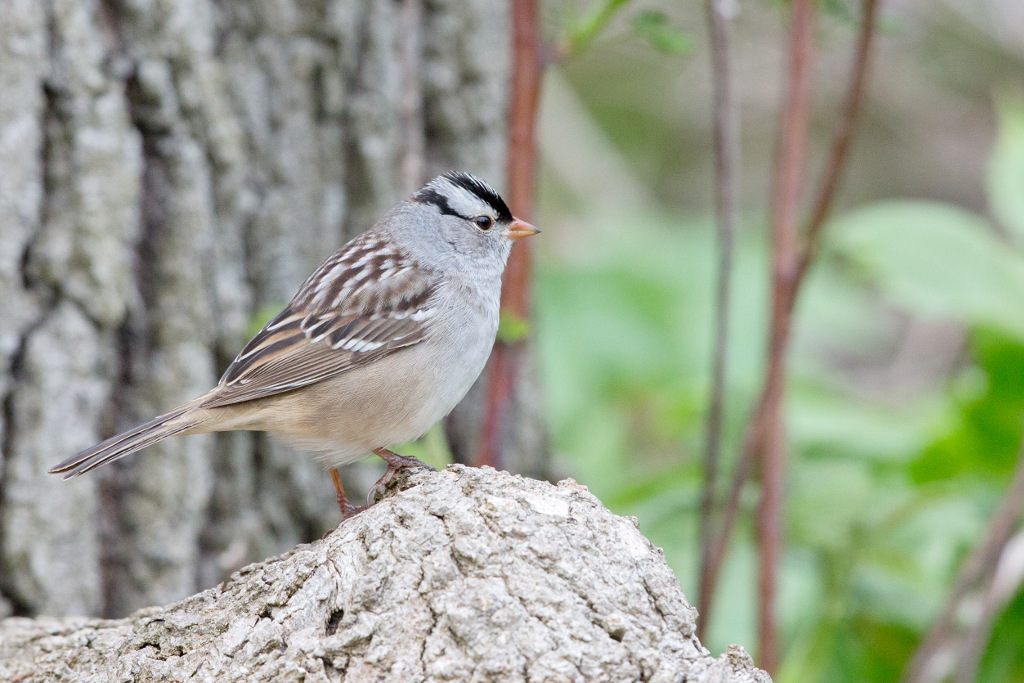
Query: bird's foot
[[347, 508], [395, 463]]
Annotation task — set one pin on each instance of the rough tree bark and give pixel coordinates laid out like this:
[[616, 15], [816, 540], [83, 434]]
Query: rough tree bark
[[467, 574], [169, 168]]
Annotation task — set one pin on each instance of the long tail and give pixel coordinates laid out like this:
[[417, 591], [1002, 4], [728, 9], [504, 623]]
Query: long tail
[[126, 443]]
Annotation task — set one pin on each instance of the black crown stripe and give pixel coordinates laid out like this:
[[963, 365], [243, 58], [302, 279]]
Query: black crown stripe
[[474, 185], [482, 190], [431, 196]]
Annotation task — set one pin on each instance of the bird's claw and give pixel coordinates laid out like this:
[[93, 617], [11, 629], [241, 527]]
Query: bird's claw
[[395, 464]]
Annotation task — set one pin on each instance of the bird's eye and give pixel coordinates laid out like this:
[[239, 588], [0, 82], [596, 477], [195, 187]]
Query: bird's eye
[[483, 222]]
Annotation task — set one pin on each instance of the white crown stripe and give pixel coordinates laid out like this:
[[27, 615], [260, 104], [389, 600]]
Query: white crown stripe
[[462, 201]]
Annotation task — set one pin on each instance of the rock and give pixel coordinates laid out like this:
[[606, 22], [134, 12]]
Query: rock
[[461, 575]]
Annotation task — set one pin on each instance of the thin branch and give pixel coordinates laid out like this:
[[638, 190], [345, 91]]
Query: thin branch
[[1004, 584], [711, 570], [974, 642], [981, 561], [842, 140], [503, 370], [528, 68], [785, 211], [763, 428], [727, 162]]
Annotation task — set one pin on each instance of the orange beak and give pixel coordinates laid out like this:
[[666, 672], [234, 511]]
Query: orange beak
[[520, 229]]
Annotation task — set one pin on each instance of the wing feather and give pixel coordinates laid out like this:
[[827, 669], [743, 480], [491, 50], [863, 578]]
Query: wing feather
[[338, 320]]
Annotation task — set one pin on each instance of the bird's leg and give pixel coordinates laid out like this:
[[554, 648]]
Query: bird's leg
[[347, 509], [395, 463]]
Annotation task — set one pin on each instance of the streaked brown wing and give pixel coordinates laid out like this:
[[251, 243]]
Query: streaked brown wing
[[365, 302]]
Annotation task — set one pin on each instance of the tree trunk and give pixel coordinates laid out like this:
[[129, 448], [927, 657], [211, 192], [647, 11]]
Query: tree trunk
[[467, 574], [171, 172]]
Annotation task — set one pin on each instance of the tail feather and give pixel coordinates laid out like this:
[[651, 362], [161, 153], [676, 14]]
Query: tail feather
[[126, 443]]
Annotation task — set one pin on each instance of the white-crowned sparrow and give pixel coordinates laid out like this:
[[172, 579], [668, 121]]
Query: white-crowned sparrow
[[378, 344]]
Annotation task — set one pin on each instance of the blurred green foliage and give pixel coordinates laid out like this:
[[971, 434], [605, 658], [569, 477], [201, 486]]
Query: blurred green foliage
[[654, 27], [582, 28], [892, 480]]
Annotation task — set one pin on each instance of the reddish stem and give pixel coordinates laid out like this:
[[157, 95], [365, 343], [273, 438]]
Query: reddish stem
[[765, 431], [711, 570], [842, 140], [785, 210], [503, 369]]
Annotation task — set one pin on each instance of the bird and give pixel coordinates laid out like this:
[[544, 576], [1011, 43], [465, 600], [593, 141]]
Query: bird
[[377, 345]]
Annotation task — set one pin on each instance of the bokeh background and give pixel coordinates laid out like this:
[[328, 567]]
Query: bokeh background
[[906, 383], [171, 170]]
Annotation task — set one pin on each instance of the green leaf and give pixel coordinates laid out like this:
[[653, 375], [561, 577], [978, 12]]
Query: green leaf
[[938, 261], [589, 26], [512, 328], [653, 27], [1004, 658], [982, 437], [828, 425], [1006, 170]]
